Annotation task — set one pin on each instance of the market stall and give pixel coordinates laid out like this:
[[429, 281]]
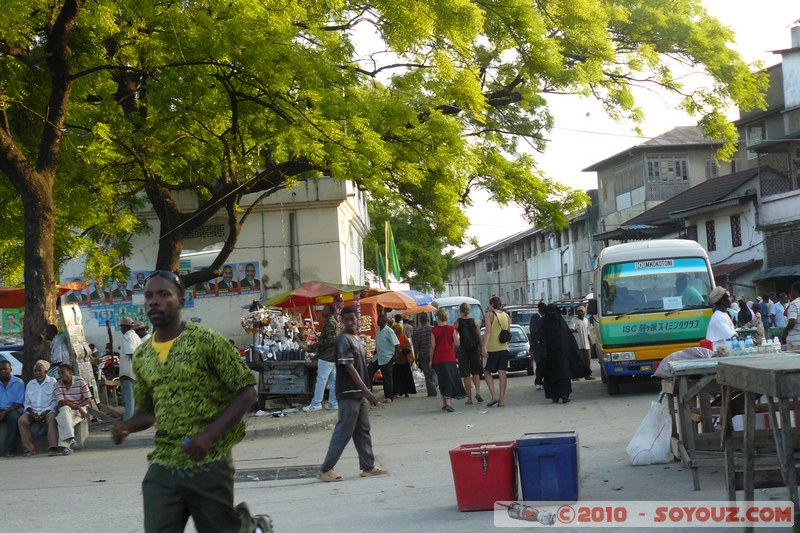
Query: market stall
[[282, 330]]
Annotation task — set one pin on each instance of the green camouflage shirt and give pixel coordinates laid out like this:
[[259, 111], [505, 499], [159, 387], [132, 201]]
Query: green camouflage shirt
[[188, 391]]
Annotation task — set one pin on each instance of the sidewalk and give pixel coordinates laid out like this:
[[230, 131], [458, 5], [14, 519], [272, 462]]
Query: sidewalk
[[257, 427]]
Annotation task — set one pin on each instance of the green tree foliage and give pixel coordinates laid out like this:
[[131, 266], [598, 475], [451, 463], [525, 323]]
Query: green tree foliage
[[205, 106]]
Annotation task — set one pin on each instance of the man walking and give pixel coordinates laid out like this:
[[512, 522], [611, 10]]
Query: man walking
[[353, 395], [127, 377], [421, 340], [580, 330], [190, 382], [386, 347], [326, 361]]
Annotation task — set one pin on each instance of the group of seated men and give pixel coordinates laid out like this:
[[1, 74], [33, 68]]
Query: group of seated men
[[56, 405]]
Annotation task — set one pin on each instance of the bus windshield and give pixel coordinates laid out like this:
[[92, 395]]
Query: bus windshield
[[655, 285]]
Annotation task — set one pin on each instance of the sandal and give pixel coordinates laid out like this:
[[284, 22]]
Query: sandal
[[386, 400], [468, 402], [478, 397], [449, 408], [330, 475], [501, 405], [29, 454], [444, 408], [492, 403], [374, 471]]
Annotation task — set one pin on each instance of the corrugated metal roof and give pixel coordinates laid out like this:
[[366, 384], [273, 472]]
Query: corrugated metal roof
[[705, 193], [680, 136]]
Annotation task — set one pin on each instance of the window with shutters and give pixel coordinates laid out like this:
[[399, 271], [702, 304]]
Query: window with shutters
[[711, 236], [736, 231], [712, 169], [756, 133]]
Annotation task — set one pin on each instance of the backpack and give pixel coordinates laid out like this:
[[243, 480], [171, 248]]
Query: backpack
[[505, 334], [469, 337]]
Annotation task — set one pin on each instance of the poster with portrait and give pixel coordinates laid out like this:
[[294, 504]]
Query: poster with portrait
[[228, 282], [98, 295], [138, 280], [77, 296], [249, 278], [206, 289], [121, 290], [188, 297], [12, 321]]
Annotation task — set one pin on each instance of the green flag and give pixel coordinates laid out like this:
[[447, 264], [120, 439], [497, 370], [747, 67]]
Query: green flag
[[381, 268], [394, 263]]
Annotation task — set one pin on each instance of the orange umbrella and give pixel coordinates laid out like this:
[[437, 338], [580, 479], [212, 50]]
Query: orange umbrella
[[417, 310], [391, 299]]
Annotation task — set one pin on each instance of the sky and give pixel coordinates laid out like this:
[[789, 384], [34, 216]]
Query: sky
[[583, 134]]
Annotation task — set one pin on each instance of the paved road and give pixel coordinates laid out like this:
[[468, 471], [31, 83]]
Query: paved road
[[99, 490]]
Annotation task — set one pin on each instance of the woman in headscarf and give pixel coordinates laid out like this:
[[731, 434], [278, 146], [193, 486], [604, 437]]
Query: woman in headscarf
[[757, 323], [560, 356], [745, 315]]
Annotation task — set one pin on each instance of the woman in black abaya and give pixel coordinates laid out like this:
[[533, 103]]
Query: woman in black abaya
[[560, 356]]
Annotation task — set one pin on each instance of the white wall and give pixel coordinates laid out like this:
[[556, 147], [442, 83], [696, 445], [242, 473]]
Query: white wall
[[331, 219]]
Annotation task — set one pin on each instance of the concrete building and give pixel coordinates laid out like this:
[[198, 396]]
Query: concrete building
[[639, 178], [772, 146], [531, 265], [313, 231]]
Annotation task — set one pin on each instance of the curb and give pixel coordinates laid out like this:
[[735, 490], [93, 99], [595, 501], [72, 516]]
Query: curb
[[101, 440]]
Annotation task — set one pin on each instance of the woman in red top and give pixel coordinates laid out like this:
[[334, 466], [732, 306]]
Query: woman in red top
[[444, 339]]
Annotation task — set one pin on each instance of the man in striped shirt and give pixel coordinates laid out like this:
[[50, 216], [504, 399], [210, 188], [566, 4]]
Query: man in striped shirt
[[72, 395]]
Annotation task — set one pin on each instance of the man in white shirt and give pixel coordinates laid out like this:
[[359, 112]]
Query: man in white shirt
[[580, 330], [779, 311], [792, 331], [127, 378], [40, 406], [59, 349], [720, 327]]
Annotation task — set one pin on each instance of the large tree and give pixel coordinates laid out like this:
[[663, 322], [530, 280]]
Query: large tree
[[418, 102]]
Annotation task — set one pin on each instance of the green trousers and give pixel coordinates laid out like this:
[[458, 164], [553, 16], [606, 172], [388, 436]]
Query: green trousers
[[206, 495]]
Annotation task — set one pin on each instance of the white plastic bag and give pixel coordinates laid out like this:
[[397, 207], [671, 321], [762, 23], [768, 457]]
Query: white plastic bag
[[650, 444]]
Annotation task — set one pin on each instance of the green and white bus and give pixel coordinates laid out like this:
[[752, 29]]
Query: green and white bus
[[651, 300]]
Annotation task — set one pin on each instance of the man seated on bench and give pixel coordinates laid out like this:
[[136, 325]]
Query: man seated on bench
[[12, 395], [72, 395], [40, 406]]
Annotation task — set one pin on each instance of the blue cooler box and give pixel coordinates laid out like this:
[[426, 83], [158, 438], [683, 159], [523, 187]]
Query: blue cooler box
[[548, 466]]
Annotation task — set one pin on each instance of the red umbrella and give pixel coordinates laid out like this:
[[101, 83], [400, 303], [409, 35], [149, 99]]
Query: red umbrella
[[307, 294]]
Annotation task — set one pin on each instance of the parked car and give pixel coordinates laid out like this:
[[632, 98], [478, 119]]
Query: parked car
[[521, 315], [519, 349], [13, 354]]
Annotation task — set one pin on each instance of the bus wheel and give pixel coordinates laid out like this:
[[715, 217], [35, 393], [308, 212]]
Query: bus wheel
[[612, 384]]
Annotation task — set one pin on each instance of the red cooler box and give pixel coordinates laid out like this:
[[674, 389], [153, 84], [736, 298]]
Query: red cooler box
[[483, 474]]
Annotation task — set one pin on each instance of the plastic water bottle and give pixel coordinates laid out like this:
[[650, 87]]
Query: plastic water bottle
[[776, 344], [749, 347]]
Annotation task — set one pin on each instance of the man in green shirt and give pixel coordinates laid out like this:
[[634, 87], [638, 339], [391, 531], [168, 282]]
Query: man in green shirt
[[191, 382], [689, 295]]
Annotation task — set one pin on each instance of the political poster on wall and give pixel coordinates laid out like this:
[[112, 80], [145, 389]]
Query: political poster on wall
[[12, 321], [228, 282], [249, 279], [207, 289]]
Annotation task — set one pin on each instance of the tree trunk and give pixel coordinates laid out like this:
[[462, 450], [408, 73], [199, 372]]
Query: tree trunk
[[40, 282]]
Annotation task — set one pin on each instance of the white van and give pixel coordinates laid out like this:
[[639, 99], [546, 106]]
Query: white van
[[452, 303]]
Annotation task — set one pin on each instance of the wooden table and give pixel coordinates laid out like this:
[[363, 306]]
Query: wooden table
[[778, 378], [689, 394]]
